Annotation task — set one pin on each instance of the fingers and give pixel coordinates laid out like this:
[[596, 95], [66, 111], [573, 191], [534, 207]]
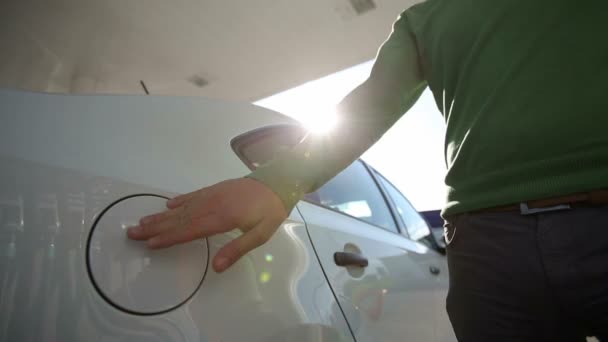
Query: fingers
[[184, 210], [178, 200], [181, 199], [152, 219], [240, 246], [205, 227], [217, 209], [155, 224]]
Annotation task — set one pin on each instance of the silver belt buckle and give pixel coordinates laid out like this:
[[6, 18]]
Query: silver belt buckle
[[525, 210]]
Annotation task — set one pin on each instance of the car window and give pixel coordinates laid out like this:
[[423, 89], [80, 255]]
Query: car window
[[355, 193], [415, 225]]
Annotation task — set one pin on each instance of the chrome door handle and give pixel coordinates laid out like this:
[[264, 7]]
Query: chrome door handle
[[350, 259]]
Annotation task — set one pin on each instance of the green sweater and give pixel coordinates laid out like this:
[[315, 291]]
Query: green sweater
[[522, 85]]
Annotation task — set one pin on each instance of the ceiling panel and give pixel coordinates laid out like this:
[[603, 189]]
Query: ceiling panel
[[228, 49]]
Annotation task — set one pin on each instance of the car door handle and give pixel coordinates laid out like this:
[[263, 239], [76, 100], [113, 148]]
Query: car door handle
[[434, 270], [350, 259]]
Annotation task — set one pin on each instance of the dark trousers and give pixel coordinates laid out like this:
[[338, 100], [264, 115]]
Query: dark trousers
[[541, 277]]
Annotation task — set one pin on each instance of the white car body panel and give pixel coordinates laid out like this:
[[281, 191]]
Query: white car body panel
[[392, 299], [63, 159]]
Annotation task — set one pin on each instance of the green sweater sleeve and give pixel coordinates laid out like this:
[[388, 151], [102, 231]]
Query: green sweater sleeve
[[364, 115]]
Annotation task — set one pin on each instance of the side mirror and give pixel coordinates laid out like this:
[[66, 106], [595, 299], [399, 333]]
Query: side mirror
[[438, 241]]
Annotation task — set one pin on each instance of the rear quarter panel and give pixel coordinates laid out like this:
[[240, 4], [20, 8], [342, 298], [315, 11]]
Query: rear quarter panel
[[63, 159]]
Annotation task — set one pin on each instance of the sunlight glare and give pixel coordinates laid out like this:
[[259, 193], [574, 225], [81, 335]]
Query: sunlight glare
[[417, 137], [322, 123]]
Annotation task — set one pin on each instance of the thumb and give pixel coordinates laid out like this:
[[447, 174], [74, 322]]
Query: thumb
[[235, 249]]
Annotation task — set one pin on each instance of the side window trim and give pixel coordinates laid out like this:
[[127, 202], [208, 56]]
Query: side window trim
[[389, 199], [401, 221]]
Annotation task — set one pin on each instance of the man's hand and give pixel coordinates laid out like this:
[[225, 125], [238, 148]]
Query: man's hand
[[238, 203]]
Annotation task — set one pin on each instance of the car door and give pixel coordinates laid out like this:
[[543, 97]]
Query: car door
[[418, 230], [384, 282]]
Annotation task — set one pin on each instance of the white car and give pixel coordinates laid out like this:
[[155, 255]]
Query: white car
[[353, 262]]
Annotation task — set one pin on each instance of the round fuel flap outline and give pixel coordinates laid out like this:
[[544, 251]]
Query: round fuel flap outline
[[106, 297]]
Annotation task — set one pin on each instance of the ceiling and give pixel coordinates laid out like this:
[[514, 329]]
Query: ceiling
[[227, 49]]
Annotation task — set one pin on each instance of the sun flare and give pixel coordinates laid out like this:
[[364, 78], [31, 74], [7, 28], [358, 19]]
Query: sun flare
[[320, 123]]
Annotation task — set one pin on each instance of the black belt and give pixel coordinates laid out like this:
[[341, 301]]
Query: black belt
[[591, 198]]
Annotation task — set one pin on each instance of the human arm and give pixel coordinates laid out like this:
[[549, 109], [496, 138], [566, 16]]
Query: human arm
[[258, 203], [364, 115]]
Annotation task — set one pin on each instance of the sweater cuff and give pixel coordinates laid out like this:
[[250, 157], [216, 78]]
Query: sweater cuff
[[289, 194]]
